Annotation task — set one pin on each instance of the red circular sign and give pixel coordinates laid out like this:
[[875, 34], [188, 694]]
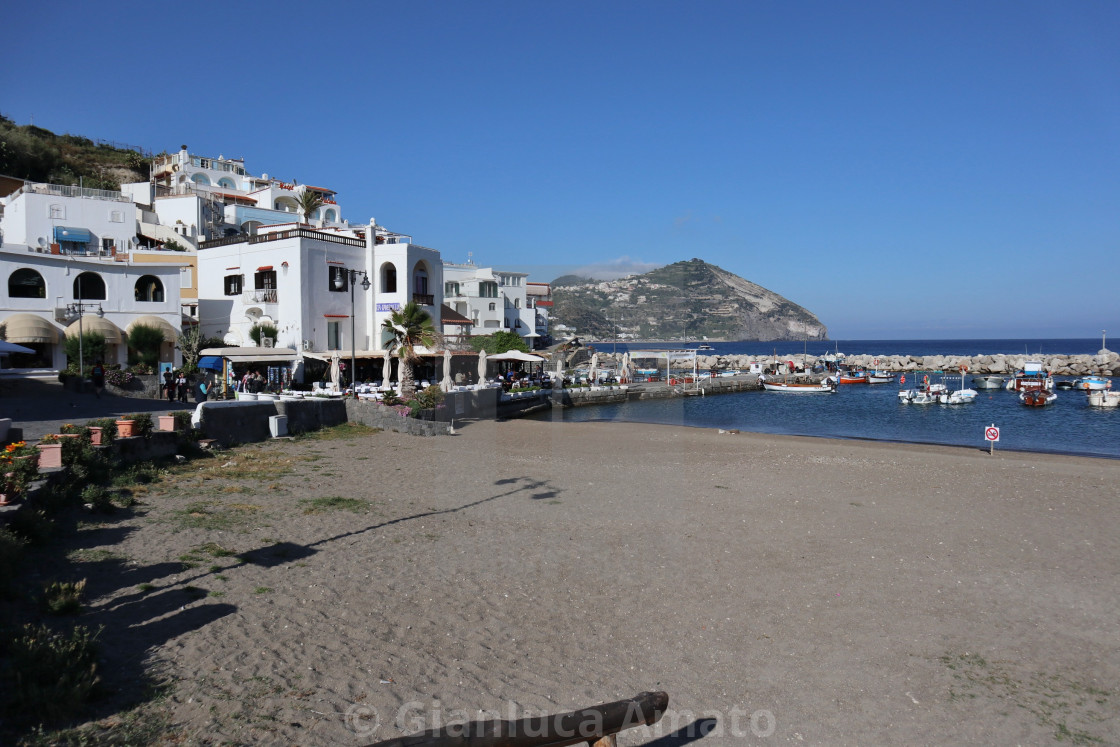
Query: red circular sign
[[991, 434]]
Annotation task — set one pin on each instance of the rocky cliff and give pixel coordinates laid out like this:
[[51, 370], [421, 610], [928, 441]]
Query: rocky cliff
[[684, 300]]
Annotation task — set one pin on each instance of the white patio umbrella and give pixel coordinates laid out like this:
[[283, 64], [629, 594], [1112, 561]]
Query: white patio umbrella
[[445, 383], [624, 367], [335, 372], [386, 370], [594, 370], [481, 366]]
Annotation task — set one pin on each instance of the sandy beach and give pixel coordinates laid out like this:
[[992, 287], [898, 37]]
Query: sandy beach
[[782, 589]]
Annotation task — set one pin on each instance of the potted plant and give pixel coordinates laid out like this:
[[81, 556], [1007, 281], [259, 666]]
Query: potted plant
[[19, 465], [50, 451], [102, 431], [167, 422], [125, 428]]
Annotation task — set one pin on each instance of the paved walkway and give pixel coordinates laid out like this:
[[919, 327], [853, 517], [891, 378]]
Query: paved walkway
[[40, 406]]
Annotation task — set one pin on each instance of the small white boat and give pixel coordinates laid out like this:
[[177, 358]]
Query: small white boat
[[825, 386], [879, 377], [958, 397], [1103, 398], [988, 381], [926, 394], [705, 347], [1092, 383]]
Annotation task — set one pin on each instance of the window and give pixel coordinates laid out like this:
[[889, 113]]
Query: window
[[26, 283], [89, 287], [149, 289], [420, 281], [233, 284], [337, 279], [517, 323], [334, 335], [108, 244], [58, 211], [388, 278], [493, 307], [488, 289], [264, 279], [450, 289], [116, 216], [517, 303]]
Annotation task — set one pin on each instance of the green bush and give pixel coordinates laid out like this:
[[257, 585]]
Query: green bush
[[108, 428], [143, 426], [144, 343], [50, 676], [430, 398], [63, 597]]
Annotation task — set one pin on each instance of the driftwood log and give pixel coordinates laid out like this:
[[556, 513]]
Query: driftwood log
[[589, 725]]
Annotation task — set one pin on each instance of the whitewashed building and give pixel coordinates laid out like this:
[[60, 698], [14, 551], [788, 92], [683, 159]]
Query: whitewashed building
[[494, 300]]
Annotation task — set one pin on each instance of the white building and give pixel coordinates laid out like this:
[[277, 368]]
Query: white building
[[298, 280], [494, 300]]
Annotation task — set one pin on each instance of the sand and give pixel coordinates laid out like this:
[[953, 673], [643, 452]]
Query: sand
[[782, 589]]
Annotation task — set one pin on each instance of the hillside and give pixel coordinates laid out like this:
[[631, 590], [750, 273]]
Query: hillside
[[39, 155], [689, 300]]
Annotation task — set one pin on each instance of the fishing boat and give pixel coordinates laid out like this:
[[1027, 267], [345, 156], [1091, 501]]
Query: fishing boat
[[854, 376], [1092, 383], [925, 393], [987, 381], [827, 385], [1030, 377], [962, 396], [879, 377], [1103, 398], [1037, 397]]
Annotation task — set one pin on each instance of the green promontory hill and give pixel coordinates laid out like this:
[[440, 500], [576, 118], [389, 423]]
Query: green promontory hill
[[691, 300]]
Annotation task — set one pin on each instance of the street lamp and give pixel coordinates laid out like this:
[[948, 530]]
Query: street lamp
[[339, 282], [79, 308]]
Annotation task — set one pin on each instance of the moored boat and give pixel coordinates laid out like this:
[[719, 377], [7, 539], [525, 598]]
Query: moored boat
[[880, 377], [825, 386], [1030, 377], [1037, 397], [1103, 398], [1092, 383], [854, 376], [987, 381]]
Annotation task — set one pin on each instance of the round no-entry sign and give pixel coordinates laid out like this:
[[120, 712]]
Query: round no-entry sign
[[991, 433]]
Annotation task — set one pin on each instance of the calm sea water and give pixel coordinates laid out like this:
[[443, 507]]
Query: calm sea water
[[1068, 426], [1088, 346]]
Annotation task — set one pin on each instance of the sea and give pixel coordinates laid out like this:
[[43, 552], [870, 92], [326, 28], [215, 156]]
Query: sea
[[873, 412]]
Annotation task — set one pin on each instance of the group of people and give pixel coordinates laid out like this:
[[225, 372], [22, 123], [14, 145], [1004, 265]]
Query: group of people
[[253, 382], [175, 384]]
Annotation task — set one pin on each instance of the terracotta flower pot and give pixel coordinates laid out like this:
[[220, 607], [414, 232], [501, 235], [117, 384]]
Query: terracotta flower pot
[[126, 428], [167, 422], [95, 435], [50, 455]]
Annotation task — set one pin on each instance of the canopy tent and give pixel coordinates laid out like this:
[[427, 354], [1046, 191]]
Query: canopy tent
[[170, 334], [29, 328], [516, 355], [252, 355], [97, 324]]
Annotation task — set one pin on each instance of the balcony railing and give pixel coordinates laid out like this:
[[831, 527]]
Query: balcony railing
[[424, 299], [260, 295], [305, 233]]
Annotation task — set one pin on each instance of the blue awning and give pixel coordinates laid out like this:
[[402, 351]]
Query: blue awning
[[211, 362], [66, 233]]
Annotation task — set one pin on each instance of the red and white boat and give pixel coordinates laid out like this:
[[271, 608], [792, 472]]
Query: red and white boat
[[857, 376], [1037, 397], [1030, 377]]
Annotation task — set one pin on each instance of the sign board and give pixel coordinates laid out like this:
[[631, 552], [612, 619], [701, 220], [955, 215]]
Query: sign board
[[388, 306], [991, 433]]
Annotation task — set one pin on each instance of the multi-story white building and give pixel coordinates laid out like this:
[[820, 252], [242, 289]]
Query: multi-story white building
[[494, 300], [539, 298], [65, 246], [299, 280]]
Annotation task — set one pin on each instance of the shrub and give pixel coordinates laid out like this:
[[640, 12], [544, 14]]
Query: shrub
[[51, 675], [98, 498], [143, 426], [108, 428], [390, 398], [430, 398], [63, 597], [33, 526], [117, 377], [144, 343]]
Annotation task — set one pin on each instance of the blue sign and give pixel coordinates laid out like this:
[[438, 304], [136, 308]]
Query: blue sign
[[388, 306]]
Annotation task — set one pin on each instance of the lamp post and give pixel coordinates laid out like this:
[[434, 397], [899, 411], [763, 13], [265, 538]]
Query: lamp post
[[79, 308], [348, 275]]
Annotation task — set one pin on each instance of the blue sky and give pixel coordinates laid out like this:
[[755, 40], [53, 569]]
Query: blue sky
[[927, 170]]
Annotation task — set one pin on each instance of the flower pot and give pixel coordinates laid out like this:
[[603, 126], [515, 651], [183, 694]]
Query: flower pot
[[50, 455], [126, 428], [167, 422], [95, 435]]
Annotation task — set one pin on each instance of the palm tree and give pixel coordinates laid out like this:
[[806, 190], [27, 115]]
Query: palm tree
[[410, 326], [309, 201]]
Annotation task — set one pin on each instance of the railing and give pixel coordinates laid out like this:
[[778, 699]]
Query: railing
[[597, 724], [260, 295], [63, 190], [303, 233], [424, 299]]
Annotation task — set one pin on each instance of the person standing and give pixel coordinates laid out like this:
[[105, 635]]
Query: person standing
[[169, 384], [181, 386], [97, 373]]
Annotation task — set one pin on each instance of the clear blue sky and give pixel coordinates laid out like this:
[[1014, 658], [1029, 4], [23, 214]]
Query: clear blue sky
[[936, 169]]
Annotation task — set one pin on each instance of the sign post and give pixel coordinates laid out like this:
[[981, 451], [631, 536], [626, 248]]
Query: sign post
[[991, 434]]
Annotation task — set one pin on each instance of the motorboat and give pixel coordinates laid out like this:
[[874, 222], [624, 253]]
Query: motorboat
[[1066, 384], [924, 394], [1031, 376], [987, 381], [1092, 383], [1103, 398], [1037, 397], [827, 385], [854, 376], [880, 377], [704, 347]]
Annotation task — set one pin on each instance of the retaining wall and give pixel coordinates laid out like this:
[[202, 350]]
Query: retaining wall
[[375, 415]]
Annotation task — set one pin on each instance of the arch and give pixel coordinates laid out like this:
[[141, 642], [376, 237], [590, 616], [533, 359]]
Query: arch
[[201, 179], [149, 289], [286, 204], [517, 303], [227, 183], [26, 283], [330, 216], [250, 227], [492, 307], [388, 278], [420, 278], [89, 286]]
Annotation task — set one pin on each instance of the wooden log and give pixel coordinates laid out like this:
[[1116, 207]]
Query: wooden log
[[587, 725]]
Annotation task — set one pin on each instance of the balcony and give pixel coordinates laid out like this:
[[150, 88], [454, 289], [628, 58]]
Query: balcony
[[260, 295], [424, 299]]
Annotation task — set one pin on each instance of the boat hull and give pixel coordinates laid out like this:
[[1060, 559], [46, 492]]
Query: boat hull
[[1101, 398], [1037, 398], [987, 382]]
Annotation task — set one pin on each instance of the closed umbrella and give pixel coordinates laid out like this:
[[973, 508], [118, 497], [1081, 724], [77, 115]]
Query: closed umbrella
[[594, 370], [445, 383], [386, 371], [624, 368], [335, 372], [481, 366]]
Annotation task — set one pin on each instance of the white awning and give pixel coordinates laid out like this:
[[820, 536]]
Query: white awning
[[170, 334], [516, 355], [29, 328]]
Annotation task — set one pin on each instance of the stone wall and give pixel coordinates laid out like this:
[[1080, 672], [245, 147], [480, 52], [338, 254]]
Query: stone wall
[[376, 415]]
